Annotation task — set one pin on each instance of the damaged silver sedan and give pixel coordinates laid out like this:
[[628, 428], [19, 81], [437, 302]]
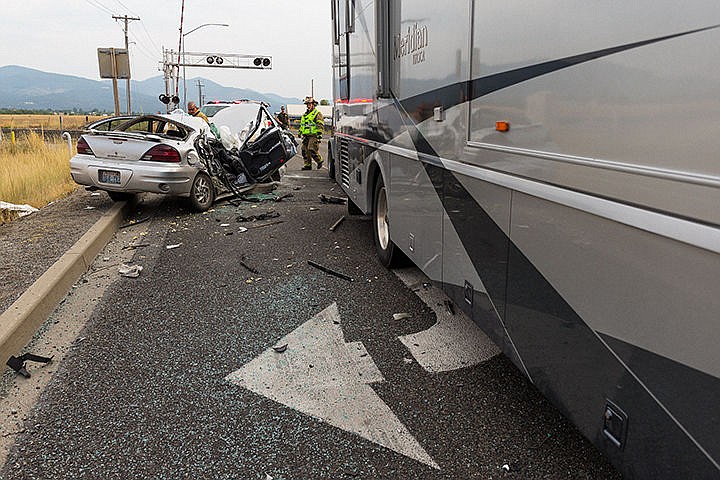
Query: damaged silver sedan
[[179, 154]]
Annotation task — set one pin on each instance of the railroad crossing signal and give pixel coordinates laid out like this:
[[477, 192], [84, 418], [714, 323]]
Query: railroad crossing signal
[[225, 60], [172, 61]]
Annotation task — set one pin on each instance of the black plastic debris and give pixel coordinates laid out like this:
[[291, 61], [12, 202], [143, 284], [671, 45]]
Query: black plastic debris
[[261, 216], [280, 198], [135, 222], [18, 363], [330, 199], [280, 348], [329, 270], [450, 307], [249, 268]]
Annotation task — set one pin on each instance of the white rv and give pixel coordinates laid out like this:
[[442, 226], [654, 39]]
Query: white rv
[[554, 166]]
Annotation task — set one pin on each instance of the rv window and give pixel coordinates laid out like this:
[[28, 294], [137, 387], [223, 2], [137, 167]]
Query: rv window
[[350, 20], [335, 19]]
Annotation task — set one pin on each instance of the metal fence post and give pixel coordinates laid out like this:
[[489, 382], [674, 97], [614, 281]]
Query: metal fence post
[[66, 136]]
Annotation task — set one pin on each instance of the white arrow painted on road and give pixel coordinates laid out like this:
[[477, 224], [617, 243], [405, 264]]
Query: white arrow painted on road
[[322, 376]]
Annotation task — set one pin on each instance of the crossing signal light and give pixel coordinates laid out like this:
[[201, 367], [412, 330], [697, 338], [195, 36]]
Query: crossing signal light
[[261, 61]]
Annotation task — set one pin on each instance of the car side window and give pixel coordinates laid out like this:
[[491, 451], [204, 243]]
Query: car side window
[[142, 126]]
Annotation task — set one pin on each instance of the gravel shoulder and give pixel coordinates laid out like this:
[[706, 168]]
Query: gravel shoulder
[[31, 244]]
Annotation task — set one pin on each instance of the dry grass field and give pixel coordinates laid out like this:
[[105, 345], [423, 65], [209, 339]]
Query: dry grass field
[[33, 171], [47, 122]]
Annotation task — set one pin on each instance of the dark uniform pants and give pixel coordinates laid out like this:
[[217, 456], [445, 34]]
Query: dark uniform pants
[[311, 151]]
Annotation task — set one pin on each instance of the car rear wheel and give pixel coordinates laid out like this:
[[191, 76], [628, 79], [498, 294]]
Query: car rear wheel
[[387, 251], [202, 193], [120, 196]]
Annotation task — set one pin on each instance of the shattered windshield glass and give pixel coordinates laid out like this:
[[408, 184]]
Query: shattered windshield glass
[[240, 119]]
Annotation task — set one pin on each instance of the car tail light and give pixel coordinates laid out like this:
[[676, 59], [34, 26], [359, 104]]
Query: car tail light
[[162, 153], [83, 147]]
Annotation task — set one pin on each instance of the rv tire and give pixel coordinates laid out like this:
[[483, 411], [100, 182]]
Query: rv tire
[[387, 252]]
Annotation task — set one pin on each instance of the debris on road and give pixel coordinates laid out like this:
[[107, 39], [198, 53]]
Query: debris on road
[[259, 197], [18, 363], [249, 268], [401, 316], [330, 271], [133, 246], [506, 467], [449, 307], [135, 222], [260, 216], [171, 247], [280, 348], [314, 209], [337, 224], [330, 199], [130, 271], [266, 224], [284, 196]]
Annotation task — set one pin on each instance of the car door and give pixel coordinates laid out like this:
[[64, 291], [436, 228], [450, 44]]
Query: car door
[[267, 147]]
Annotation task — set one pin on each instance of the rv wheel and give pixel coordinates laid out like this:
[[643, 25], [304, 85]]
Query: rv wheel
[[388, 253], [202, 193]]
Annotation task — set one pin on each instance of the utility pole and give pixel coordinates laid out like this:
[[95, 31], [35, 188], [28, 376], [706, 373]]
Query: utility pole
[[200, 93], [126, 19]]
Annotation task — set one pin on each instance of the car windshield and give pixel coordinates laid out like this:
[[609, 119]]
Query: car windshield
[[240, 119], [212, 109]]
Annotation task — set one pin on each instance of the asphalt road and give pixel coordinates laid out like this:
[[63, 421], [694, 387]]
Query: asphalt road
[[175, 375]]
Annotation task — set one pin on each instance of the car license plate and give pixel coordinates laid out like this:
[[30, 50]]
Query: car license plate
[[109, 176]]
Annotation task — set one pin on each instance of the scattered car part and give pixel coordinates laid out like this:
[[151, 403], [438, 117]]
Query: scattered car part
[[337, 224], [130, 271], [18, 363], [330, 199], [330, 271]]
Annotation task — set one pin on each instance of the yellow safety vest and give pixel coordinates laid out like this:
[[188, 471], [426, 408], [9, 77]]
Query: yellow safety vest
[[308, 125]]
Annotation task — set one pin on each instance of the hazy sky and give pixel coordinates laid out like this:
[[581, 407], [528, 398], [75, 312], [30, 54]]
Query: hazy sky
[[63, 37]]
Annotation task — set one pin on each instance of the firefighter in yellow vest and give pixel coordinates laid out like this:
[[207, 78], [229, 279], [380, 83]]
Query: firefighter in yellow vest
[[311, 130]]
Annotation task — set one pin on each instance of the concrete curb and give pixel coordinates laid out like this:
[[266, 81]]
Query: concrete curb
[[22, 319]]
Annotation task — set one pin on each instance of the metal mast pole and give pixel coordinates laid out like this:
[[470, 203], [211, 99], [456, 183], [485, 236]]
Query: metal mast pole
[[125, 29]]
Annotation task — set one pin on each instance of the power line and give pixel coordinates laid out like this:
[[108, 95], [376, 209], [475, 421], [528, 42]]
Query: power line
[[126, 8], [144, 49], [142, 24], [99, 6]]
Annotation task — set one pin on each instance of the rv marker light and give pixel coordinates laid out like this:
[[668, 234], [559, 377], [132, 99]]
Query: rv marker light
[[502, 126]]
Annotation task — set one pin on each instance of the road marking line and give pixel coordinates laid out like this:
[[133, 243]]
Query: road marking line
[[322, 376], [454, 341]]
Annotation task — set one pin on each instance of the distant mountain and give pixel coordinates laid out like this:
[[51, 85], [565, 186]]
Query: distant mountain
[[27, 88]]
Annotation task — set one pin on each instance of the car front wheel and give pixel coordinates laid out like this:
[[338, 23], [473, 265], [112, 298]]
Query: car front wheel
[[202, 193]]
